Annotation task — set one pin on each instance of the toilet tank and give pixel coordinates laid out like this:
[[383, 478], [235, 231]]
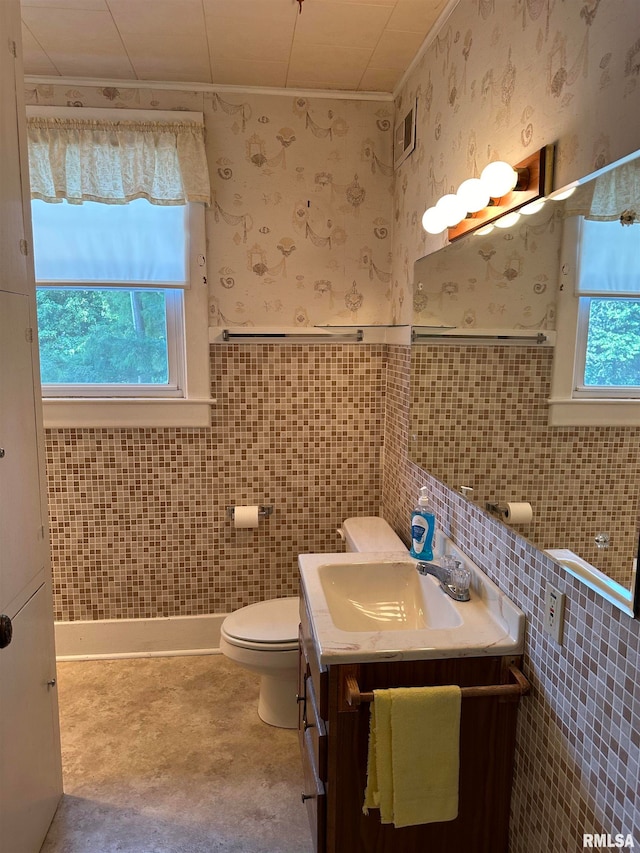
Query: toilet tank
[[371, 533]]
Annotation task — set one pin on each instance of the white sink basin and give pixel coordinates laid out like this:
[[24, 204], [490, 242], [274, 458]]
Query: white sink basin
[[384, 597], [366, 607]]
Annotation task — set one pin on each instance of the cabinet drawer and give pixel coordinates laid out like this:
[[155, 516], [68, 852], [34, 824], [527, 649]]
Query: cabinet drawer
[[313, 796], [314, 726]]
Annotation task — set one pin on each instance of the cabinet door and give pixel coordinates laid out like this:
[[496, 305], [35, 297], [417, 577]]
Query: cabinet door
[[22, 547], [14, 267], [29, 747]]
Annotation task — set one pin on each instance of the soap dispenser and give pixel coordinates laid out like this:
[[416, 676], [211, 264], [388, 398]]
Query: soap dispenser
[[423, 523]]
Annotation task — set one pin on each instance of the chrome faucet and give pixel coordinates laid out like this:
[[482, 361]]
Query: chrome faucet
[[454, 579]]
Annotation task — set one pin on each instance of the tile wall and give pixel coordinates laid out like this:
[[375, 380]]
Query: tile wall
[[578, 742], [138, 516], [481, 419]]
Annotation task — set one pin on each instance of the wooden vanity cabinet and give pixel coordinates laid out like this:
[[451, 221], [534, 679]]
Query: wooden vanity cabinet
[[334, 740]]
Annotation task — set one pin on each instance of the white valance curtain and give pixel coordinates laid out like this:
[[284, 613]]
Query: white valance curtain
[[115, 162], [609, 196]]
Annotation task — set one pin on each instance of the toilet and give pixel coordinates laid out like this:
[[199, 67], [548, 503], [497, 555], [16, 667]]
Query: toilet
[[263, 637]]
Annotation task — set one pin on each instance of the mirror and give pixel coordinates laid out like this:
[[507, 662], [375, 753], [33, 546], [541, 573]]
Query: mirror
[[479, 414]]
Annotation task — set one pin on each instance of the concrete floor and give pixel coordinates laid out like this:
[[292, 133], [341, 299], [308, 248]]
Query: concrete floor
[[168, 755]]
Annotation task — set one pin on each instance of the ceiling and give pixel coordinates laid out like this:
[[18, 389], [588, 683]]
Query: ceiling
[[354, 45]]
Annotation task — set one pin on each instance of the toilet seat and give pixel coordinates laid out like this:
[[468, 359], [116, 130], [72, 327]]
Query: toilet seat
[[270, 625]]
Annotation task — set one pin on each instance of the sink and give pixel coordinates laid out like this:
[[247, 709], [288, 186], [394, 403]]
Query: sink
[[385, 597], [367, 607]]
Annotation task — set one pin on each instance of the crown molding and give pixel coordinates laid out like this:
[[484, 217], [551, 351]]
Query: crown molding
[[334, 94]]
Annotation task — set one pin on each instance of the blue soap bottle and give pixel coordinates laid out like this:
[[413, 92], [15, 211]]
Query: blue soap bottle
[[423, 524]]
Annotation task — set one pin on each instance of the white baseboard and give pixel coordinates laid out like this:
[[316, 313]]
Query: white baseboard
[[132, 638]]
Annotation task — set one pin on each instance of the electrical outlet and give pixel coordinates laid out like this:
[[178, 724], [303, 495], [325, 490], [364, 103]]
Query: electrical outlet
[[554, 613]]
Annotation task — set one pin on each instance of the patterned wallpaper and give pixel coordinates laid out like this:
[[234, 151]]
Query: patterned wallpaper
[[505, 279], [299, 231], [502, 79], [302, 191]]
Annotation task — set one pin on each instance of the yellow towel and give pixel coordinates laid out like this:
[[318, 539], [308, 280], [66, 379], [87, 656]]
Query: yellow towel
[[414, 755]]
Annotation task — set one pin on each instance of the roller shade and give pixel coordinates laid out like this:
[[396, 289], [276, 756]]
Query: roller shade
[[608, 259]]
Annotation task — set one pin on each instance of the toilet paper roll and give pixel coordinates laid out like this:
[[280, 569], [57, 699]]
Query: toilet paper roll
[[245, 516], [518, 512]]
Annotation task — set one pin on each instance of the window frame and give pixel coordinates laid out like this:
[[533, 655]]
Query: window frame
[[568, 405]]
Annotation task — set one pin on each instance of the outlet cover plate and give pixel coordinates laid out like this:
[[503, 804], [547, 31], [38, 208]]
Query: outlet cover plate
[[554, 612]]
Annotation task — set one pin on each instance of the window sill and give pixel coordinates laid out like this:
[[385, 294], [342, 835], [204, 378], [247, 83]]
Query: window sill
[[567, 412], [69, 413]]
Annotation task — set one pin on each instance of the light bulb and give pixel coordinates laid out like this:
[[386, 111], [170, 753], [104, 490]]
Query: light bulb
[[532, 208], [565, 192], [486, 229], [508, 220], [451, 209], [433, 222], [473, 194], [499, 178]]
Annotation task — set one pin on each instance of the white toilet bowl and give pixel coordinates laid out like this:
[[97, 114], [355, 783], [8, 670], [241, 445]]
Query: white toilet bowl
[[263, 638]]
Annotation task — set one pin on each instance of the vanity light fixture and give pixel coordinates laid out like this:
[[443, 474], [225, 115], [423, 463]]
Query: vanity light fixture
[[500, 189]]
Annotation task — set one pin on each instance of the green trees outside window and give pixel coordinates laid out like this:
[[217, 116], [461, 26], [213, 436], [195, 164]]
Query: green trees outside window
[[102, 336], [613, 343]]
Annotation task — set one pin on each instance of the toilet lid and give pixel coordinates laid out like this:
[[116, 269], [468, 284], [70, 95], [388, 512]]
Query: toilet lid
[[273, 621]]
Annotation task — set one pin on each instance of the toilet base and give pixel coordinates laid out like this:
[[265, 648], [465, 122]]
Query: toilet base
[[278, 704]]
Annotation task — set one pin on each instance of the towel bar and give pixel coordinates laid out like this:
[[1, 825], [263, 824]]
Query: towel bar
[[522, 686]]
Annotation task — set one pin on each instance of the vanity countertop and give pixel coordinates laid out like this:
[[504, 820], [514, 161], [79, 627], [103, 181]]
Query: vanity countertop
[[372, 607]]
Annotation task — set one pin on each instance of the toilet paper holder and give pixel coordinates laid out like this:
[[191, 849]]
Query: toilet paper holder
[[263, 511]]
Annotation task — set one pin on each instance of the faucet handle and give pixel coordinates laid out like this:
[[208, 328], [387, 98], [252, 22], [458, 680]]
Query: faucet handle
[[460, 579]]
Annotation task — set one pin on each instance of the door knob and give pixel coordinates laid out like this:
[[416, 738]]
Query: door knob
[[6, 631]]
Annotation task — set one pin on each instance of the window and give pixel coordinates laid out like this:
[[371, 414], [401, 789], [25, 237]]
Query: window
[[118, 230], [608, 348], [108, 323], [608, 344], [597, 361]]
